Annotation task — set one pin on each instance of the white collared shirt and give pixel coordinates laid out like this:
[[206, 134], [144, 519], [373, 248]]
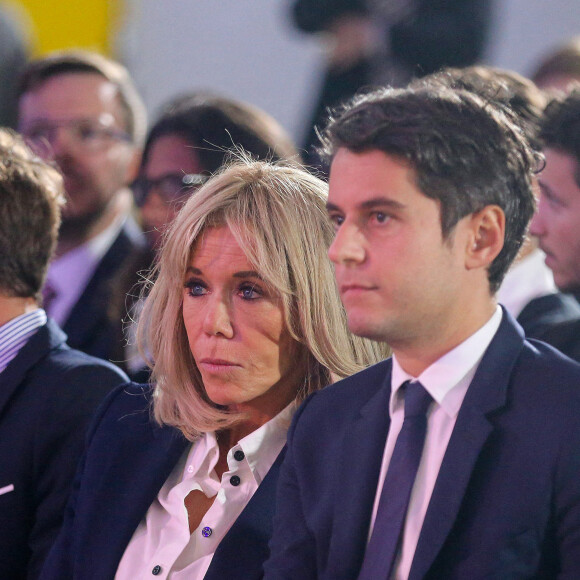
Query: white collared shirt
[[527, 279], [17, 332], [70, 273], [162, 541], [447, 381]]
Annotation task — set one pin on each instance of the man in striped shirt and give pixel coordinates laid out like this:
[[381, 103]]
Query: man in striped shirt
[[48, 392]]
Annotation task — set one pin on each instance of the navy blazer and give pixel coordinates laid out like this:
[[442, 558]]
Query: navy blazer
[[127, 461], [94, 324], [48, 394], [540, 315], [506, 503]]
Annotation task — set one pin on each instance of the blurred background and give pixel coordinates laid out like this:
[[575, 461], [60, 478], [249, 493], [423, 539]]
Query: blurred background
[[249, 50]]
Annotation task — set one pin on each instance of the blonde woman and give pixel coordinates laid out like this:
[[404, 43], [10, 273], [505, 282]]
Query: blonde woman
[[242, 323]]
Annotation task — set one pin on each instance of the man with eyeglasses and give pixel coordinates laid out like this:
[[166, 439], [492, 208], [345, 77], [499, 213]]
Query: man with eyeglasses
[[82, 111]]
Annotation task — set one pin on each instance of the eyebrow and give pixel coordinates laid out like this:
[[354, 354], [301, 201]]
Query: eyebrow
[[373, 203], [242, 274]]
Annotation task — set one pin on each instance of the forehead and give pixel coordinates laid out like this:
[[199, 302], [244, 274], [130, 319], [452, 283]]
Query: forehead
[[171, 153], [70, 96], [562, 171], [357, 178], [218, 245]]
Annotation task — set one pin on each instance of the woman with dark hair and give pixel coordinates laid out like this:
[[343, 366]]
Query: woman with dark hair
[[192, 138]]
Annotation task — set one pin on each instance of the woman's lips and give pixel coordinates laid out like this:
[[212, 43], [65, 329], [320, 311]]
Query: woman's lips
[[217, 364]]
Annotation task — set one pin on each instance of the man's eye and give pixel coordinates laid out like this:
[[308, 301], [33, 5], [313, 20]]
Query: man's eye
[[336, 220], [87, 133], [381, 217]]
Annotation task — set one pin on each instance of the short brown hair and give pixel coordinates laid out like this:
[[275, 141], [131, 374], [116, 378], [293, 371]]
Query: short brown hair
[[31, 195], [57, 63]]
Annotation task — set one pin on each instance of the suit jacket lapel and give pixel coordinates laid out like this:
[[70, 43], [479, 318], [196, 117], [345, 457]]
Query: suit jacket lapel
[[92, 306], [48, 337], [487, 392], [356, 484], [244, 549]]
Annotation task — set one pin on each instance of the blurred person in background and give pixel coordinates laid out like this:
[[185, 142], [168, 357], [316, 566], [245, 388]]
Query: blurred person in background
[[48, 391], [557, 220], [378, 42], [191, 140], [81, 110], [528, 290], [243, 322], [559, 69]]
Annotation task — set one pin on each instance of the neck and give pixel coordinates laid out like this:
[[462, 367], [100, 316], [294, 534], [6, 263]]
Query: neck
[[420, 353], [11, 307], [77, 231]]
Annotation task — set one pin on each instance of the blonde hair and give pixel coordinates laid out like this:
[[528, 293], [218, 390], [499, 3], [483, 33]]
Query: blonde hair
[[277, 215]]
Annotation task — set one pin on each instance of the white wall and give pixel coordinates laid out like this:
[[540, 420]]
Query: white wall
[[247, 49]]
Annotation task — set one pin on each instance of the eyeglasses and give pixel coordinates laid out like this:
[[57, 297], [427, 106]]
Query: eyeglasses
[[86, 134], [171, 186]]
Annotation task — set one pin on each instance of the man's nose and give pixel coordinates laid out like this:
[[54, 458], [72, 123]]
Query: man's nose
[[348, 245]]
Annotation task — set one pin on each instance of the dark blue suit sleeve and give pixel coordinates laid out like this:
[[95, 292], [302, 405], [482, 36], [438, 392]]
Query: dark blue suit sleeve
[[58, 564]]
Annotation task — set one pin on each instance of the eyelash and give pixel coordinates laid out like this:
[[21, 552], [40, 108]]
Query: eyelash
[[240, 290]]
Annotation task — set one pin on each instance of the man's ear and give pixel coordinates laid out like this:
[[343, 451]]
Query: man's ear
[[486, 239]]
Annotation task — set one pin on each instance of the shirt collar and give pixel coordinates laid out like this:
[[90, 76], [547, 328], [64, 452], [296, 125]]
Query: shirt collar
[[15, 333], [448, 378], [260, 448]]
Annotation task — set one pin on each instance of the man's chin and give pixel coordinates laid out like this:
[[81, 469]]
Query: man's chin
[[365, 328]]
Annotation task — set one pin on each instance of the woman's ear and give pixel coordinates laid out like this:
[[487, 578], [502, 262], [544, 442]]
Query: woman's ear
[[487, 228]]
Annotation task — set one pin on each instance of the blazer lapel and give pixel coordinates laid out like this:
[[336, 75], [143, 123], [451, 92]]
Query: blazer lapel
[[356, 484], [128, 481], [487, 392], [244, 549], [48, 337]]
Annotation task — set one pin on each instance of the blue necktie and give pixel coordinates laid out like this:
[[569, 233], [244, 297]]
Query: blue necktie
[[383, 546]]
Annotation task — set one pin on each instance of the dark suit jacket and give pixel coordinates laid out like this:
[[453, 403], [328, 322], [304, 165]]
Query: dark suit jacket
[[48, 393], [95, 322], [127, 461], [541, 314], [506, 503]]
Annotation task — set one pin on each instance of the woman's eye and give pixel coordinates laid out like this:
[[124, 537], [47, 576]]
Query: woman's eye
[[195, 288], [249, 292]]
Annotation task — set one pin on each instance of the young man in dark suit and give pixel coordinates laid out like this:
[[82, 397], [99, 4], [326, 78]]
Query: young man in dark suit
[[48, 392], [557, 221], [458, 457]]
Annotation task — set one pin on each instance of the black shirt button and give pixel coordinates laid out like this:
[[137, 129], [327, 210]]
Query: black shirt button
[[239, 455], [206, 532], [156, 570], [235, 480]]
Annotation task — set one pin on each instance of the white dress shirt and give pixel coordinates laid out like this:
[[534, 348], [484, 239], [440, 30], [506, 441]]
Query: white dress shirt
[[162, 541], [527, 279], [69, 274], [17, 332], [447, 381]]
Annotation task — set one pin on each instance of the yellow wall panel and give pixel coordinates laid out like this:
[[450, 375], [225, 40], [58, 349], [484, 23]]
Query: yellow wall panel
[[61, 24]]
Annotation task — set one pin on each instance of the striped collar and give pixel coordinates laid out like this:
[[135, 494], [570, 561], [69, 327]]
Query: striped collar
[[16, 332]]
